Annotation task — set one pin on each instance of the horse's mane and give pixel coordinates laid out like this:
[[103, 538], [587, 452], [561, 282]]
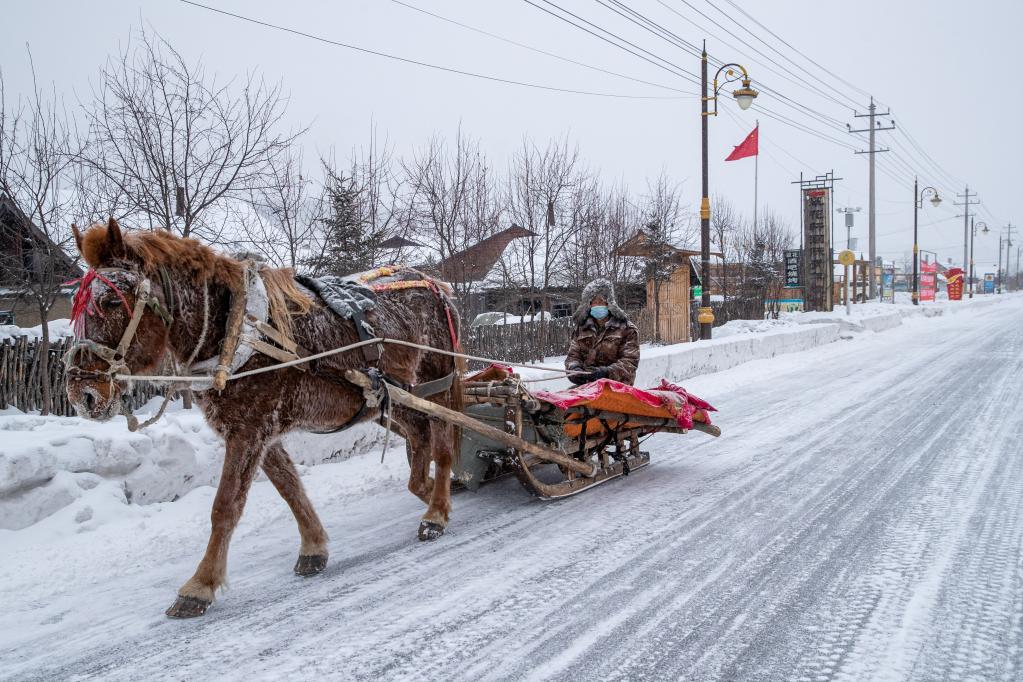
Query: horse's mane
[[153, 251]]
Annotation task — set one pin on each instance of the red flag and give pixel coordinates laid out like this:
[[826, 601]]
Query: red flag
[[747, 148]]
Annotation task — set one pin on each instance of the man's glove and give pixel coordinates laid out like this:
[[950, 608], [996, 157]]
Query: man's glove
[[592, 375], [580, 377]]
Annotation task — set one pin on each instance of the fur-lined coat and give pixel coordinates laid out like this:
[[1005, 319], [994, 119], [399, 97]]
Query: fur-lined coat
[[613, 345]]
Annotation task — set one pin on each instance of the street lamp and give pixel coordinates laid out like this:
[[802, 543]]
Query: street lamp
[[982, 226], [744, 97], [918, 203]]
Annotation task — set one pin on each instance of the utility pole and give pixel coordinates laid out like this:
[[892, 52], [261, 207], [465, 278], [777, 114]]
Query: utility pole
[[1008, 254], [873, 127], [968, 199]]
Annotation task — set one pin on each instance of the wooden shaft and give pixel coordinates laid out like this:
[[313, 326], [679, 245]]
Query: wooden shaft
[[405, 398]]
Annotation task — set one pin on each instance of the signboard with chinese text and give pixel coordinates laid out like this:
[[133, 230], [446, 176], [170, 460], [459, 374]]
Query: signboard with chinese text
[[793, 267], [817, 258], [928, 281]]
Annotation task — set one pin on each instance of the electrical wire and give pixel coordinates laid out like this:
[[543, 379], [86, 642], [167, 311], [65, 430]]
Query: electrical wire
[[538, 50], [377, 53], [662, 63]]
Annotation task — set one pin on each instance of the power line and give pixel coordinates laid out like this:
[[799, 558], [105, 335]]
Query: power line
[[797, 77], [539, 51], [496, 79], [677, 41], [670, 68], [796, 50]]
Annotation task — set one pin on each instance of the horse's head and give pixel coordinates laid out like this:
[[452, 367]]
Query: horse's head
[[120, 323]]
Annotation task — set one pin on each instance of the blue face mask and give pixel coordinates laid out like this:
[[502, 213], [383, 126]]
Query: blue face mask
[[599, 312]]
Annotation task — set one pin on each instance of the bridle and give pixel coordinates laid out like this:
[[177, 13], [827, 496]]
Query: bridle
[[114, 357]]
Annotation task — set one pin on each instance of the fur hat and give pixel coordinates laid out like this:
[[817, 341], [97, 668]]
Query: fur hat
[[602, 288]]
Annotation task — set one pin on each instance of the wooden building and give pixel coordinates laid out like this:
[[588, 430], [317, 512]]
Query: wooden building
[[668, 299], [28, 257]]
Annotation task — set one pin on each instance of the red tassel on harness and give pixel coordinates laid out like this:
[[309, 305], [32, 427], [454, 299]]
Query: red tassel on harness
[[84, 302]]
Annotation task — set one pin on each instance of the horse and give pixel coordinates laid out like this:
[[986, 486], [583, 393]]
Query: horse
[[152, 297]]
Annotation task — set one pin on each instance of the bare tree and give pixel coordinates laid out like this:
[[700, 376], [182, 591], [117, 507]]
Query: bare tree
[[39, 184], [726, 227], [538, 197], [450, 199], [283, 222], [177, 144]]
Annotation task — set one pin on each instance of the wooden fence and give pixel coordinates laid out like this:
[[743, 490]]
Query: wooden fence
[[523, 342], [21, 380]]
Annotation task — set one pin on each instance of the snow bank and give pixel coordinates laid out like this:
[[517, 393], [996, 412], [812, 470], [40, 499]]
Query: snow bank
[[58, 330], [47, 463]]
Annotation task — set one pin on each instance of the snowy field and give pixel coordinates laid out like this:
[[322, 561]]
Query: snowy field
[[858, 519]]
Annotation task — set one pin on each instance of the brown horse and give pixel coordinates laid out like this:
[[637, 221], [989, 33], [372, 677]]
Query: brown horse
[[153, 296]]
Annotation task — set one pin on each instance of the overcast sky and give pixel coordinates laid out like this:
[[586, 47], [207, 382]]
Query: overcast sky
[[946, 69]]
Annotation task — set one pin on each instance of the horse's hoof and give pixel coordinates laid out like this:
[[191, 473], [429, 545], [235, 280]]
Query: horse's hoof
[[188, 607], [428, 530], [310, 564]]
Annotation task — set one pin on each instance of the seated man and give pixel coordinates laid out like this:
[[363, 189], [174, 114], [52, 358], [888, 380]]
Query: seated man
[[604, 344]]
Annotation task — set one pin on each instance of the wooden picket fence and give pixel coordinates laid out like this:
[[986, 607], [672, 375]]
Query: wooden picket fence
[[21, 380]]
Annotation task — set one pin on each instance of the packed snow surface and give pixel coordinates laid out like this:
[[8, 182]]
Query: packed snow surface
[[860, 518]]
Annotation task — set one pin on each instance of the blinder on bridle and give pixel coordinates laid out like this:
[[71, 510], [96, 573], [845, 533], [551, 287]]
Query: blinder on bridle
[[84, 305]]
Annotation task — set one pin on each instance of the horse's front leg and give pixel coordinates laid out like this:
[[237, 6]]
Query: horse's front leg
[[312, 555], [241, 461], [442, 441]]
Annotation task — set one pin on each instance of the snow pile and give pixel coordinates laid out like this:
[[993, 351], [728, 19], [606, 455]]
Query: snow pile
[[58, 329], [48, 463]]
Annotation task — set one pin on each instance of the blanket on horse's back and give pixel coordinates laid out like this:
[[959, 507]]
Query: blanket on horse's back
[[351, 296], [345, 296]]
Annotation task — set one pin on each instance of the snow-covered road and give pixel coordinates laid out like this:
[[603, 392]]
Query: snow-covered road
[[860, 518]]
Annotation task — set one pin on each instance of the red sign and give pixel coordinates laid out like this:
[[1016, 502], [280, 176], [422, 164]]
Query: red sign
[[928, 281], [955, 284]]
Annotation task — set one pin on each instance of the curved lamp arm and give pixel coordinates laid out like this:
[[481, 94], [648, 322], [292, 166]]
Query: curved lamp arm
[[936, 198], [744, 95]]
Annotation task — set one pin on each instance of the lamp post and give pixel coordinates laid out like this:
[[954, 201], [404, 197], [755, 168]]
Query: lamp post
[[744, 97], [982, 226], [918, 203]]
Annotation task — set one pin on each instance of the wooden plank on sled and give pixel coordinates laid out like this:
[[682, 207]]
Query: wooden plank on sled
[[403, 397], [666, 425]]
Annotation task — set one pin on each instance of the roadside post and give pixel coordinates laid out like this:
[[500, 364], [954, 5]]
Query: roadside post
[[847, 258]]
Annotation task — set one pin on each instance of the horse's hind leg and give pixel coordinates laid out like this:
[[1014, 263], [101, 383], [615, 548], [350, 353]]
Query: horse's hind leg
[[436, 517], [418, 446], [312, 555], [241, 461]]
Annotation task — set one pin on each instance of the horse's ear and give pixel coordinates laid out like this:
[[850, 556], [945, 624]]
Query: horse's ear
[[78, 236], [115, 242]]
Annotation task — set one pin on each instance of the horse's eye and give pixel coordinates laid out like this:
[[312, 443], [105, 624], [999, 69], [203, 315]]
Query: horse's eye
[[111, 303]]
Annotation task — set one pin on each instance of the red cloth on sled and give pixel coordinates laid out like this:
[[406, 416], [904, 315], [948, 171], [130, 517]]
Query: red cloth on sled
[[667, 401]]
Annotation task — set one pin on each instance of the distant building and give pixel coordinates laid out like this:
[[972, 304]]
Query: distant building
[[24, 253]]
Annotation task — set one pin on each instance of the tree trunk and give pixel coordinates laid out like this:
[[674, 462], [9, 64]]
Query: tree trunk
[[657, 310], [44, 360]]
